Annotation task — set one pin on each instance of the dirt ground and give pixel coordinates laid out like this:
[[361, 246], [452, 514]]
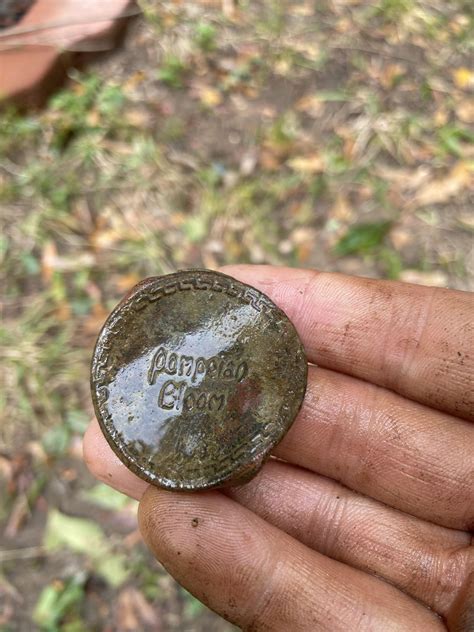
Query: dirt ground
[[335, 135]]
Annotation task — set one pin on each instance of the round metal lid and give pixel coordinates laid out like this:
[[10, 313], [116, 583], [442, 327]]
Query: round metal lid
[[195, 378]]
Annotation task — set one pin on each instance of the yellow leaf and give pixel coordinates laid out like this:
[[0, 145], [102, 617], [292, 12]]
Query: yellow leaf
[[463, 78], [307, 164], [210, 97]]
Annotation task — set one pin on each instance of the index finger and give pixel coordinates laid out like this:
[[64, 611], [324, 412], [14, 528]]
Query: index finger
[[414, 340]]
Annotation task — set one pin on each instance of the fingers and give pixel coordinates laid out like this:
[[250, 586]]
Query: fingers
[[461, 616], [106, 466], [397, 451], [430, 563], [262, 579], [411, 339], [374, 441]]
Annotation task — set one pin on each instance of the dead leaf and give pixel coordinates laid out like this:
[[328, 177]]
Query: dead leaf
[[282, 67], [134, 80], [436, 278], [466, 220], [134, 612], [400, 237], [465, 111], [440, 190], [94, 321], [138, 117], [48, 261], [307, 164], [391, 74], [210, 97], [404, 179], [441, 117], [124, 282], [341, 209], [304, 240], [310, 104], [463, 78], [93, 118], [268, 160], [18, 516], [229, 9], [63, 311], [248, 162]]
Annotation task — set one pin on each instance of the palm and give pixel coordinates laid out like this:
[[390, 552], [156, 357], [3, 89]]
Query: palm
[[362, 520]]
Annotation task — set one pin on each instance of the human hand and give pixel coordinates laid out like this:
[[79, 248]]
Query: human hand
[[363, 521]]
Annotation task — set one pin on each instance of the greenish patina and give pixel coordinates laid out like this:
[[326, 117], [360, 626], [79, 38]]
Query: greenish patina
[[195, 378]]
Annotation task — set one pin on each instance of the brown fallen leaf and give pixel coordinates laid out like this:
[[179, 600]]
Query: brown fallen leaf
[[124, 282], [310, 104], [48, 261], [341, 210], [465, 111], [400, 237], [133, 612], [390, 74], [229, 9], [440, 190], [18, 515]]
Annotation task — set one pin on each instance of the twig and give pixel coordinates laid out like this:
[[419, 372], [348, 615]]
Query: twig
[[25, 553], [371, 51]]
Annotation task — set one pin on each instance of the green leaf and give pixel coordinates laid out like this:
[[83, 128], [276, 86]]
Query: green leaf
[[56, 600], [56, 440], [78, 534], [85, 537], [195, 228], [77, 421], [113, 568], [106, 497], [192, 606], [45, 613], [333, 95], [451, 138], [30, 263], [362, 238], [206, 37], [392, 263], [77, 625], [172, 71]]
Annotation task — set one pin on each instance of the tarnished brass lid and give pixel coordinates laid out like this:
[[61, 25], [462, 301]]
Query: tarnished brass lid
[[195, 378]]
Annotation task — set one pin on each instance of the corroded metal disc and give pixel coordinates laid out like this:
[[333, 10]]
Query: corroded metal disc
[[195, 378]]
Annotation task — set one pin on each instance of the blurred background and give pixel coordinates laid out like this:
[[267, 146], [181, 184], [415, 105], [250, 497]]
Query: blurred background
[[334, 134]]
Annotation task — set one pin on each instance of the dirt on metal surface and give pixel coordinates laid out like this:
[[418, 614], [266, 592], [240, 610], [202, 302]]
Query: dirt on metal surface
[[195, 378]]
